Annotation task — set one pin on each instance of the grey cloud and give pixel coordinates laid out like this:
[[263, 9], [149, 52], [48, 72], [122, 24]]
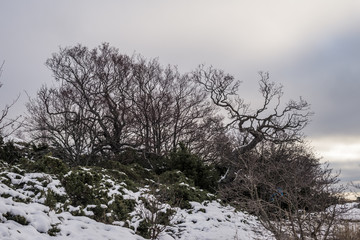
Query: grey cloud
[[240, 38], [329, 74], [349, 170]]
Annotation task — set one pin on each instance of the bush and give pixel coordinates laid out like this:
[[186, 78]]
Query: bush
[[204, 176], [53, 198], [38, 151], [54, 230], [284, 183], [155, 162], [9, 152], [143, 229], [82, 186], [100, 213], [182, 195], [51, 165], [155, 212], [45, 164], [17, 218], [122, 207], [131, 156], [175, 176], [178, 190], [134, 171], [347, 231]]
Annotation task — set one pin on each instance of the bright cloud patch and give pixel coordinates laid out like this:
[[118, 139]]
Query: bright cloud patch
[[338, 148]]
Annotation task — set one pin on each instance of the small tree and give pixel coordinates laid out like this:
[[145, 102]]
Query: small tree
[[87, 112], [193, 167], [55, 119], [155, 212], [288, 188]]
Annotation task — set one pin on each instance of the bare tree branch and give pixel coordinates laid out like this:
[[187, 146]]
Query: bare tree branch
[[270, 122], [5, 123], [288, 188]]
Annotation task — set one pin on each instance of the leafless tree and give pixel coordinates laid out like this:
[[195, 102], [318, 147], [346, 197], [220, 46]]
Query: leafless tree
[[106, 102], [288, 188], [55, 119], [270, 172], [169, 107], [11, 124], [270, 122], [87, 110]]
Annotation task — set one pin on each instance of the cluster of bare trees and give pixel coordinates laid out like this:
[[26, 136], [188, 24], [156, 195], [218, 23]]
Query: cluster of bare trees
[[106, 102]]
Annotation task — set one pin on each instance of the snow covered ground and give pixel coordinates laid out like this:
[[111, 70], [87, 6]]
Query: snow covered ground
[[41, 220], [23, 215], [210, 220], [206, 222]]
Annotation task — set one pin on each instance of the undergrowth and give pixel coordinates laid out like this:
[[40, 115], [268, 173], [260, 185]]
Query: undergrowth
[[108, 191]]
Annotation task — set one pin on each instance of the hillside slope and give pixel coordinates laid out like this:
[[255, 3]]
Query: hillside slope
[[38, 205]]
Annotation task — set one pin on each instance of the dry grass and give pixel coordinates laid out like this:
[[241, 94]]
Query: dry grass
[[347, 231]]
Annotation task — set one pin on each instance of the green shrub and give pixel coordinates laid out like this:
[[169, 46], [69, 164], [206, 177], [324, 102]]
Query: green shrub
[[155, 162], [144, 229], [3, 165], [36, 152], [148, 160], [204, 176], [142, 173], [17, 218], [51, 199], [179, 190], [51, 165], [45, 164], [128, 156], [83, 187], [122, 207], [155, 219], [100, 213], [181, 194], [134, 172], [173, 177], [9, 152], [27, 165], [165, 217], [54, 230]]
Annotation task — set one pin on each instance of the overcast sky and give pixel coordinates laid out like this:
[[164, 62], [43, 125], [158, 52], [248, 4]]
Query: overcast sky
[[312, 47]]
